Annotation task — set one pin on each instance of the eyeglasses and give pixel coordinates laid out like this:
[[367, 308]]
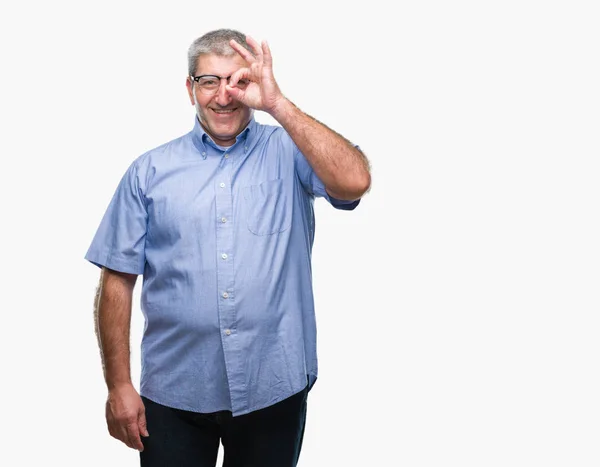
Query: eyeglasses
[[210, 84]]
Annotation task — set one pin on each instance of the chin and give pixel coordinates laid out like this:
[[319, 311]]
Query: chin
[[226, 133], [231, 128], [223, 130]]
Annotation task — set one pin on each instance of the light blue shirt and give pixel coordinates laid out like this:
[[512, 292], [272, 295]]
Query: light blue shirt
[[223, 238]]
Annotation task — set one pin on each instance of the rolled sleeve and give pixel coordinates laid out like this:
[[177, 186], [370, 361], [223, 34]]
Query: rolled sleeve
[[314, 186], [319, 187], [119, 242]]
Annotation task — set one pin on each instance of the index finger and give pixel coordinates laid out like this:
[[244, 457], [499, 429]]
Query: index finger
[[238, 75], [246, 55]]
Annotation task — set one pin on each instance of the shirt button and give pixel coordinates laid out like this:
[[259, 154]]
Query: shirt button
[[204, 154], [227, 331], [222, 185], [225, 295], [224, 256], [223, 220], [226, 156]]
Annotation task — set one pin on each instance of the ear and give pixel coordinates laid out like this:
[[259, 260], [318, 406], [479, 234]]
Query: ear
[[190, 88]]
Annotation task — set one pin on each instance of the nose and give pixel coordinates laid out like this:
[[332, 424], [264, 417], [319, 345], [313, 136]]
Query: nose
[[222, 97]]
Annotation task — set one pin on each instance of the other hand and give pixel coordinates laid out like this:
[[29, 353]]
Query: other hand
[[126, 416]]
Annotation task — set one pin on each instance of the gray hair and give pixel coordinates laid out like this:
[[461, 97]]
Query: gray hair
[[215, 42]]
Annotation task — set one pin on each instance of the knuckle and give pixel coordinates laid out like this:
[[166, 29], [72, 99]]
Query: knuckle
[[126, 418]]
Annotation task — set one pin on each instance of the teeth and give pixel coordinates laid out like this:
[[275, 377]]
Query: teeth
[[224, 111]]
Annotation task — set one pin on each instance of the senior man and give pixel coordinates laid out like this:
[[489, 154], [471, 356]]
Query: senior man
[[220, 222]]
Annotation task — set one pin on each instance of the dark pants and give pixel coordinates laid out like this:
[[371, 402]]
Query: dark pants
[[270, 437]]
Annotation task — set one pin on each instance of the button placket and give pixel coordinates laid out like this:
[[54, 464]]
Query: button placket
[[225, 271]]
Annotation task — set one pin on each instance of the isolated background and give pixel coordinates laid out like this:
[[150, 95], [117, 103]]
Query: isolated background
[[457, 307]]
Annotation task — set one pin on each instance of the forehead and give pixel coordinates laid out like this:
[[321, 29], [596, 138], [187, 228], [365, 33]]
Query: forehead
[[211, 64]]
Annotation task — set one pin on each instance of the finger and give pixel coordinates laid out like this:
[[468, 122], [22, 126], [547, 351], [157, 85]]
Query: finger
[[236, 93], [142, 426], [120, 433], [255, 47], [243, 51], [268, 59], [133, 434], [238, 75]]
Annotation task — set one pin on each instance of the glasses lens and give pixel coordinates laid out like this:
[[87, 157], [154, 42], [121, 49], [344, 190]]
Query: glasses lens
[[209, 84]]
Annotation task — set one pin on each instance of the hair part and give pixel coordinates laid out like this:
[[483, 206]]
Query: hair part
[[215, 42]]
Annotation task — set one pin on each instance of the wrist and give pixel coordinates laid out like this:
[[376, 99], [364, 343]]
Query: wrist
[[118, 385], [281, 109]]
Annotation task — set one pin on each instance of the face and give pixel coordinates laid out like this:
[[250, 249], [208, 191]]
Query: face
[[222, 117]]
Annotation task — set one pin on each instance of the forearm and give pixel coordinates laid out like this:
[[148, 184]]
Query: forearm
[[112, 313], [343, 169]]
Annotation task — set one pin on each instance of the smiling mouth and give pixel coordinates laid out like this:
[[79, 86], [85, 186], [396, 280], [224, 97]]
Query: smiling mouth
[[223, 111]]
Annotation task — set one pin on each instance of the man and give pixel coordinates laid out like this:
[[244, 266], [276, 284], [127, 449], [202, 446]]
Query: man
[[220, 223]]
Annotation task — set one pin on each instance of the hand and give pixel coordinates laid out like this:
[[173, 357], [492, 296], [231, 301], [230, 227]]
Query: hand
[[262, 93], [126, 416]]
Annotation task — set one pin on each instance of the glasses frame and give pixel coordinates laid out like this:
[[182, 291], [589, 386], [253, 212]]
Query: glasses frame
[[199, 77]]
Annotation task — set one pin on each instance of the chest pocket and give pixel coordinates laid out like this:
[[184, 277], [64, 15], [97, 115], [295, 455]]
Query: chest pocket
[[268, 207]]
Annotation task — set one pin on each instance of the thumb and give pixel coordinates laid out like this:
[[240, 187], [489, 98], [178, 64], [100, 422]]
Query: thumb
[[142, 423], [235, 92]]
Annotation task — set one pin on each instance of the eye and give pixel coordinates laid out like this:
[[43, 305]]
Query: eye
[[208, 82], [243, 83]]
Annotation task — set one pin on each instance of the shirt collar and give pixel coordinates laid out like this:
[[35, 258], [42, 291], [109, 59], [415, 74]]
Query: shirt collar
[[201, 139]]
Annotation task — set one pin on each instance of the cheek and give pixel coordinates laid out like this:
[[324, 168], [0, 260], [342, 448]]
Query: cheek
[[201, 100]]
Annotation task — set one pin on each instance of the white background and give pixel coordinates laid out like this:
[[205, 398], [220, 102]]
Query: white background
[[457, 307]]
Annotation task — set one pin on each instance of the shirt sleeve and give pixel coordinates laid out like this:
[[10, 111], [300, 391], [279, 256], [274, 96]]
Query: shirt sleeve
[[314, 186], [120, 239]]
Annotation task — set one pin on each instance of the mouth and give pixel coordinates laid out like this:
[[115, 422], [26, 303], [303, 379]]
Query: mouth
[[224, 111]]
